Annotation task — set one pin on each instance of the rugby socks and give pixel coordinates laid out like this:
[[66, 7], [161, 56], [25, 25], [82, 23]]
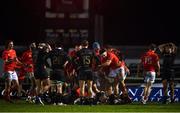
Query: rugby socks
[[172, 93], [98, 95], [39, 100], [58, 98], [82, 100], [91, 101], [111, 99], [7, 96], [53, 97], [164, 101]]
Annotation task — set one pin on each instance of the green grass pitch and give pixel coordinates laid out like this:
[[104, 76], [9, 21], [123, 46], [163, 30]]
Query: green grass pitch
[[22, 106]]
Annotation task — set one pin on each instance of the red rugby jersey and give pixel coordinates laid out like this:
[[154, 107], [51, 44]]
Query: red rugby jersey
[[9, 55], [149, 60], [115, 63], [28, 60]]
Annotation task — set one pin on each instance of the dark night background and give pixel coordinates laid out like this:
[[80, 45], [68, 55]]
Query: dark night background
[[133, 22]]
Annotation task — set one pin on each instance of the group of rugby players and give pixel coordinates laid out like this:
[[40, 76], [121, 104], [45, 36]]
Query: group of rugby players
[[83, 76]]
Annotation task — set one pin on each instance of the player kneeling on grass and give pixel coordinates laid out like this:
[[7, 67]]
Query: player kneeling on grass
[[150, 64]]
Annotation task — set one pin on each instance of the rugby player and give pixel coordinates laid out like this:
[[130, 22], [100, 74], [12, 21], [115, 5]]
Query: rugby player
[[168, 51], [116, 73], [28, 67], [151, 67], [10, 75], [85, 60], [59, 60]]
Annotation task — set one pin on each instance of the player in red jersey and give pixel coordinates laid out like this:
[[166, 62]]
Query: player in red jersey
[[71, 66], [150, 64], [124, 72], [28, 67], [10, 62], [76, 48], [115, 72]]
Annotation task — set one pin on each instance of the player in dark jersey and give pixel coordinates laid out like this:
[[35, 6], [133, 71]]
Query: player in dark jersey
[[85, 60], [168, 52], [40, 73], [59, 60]]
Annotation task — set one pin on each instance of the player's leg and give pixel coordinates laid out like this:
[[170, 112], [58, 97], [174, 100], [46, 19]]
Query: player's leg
[[8, 79], [53, 90], [82, 90], [122, 76], [59, 93], [16, 83], [95, 80], [82, 77], [38, 86], [46, 85], [171, 85], [90, 91], [148, 90], [33, 84], [116, 88], [110, 85], [38, 92], [165, 91], [59, 76], [149, 84], [145, 91], [32, 90]]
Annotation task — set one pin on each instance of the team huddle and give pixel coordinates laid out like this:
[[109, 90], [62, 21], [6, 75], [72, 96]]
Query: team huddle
[[82, 76]]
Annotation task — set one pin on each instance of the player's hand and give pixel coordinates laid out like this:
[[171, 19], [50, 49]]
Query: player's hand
[[45, 67], [158, 73], [9, 60], [128, 71], [99, 66], [30, 66]]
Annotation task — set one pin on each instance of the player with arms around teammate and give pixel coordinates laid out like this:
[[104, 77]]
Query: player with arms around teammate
[[124, 71], [10, 62], [85, 60], [115, 75], [150, 64]]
